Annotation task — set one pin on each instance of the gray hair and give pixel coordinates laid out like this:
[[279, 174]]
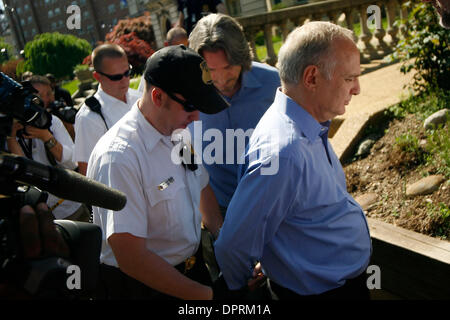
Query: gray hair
[[310, 44], [219, 31]]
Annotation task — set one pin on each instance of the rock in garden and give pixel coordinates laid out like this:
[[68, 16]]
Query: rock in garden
[[365, 147], [436, 119], [425, 186], [366, 200]]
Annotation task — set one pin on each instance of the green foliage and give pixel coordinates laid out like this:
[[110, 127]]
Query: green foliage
[[425, 49], [55, 53], [71, 86], [279, 6], [441, 213], [261, 50], [438, 148], [261, 41], [81, 67], [9, 51], [423, 105], [20, 68], [408, 143], [134, 83]]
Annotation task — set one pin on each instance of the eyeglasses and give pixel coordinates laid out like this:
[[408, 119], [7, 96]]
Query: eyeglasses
[[188, 107], [117, 77]]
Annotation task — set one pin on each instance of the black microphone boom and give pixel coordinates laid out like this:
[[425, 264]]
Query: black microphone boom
[[66, 184]]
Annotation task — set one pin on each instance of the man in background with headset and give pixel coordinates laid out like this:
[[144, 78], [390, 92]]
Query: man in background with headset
[[112, 100]]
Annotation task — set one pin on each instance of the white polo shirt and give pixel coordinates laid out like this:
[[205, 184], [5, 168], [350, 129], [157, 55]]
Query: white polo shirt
[[66, 208], [89, 126], [162, 197]]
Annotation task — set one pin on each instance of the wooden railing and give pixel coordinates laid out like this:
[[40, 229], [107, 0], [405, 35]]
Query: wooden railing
[[373, 44]]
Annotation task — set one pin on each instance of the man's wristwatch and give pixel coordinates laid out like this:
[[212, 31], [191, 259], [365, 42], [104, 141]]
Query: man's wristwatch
[[50, 143]]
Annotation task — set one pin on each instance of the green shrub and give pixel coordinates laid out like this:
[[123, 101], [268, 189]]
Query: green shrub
[[80, 67], [425, 49], [7, 53], [55, 53], [408, 143]]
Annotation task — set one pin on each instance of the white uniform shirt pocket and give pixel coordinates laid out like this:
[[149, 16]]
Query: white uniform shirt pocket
[[169, 210]]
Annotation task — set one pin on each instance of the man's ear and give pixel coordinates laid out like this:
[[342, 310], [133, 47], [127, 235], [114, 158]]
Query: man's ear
[[96, 76], [157, 96], [310, 77]]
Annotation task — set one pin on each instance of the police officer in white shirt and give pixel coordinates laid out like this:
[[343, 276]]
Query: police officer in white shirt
[[151, 248], [114, 96]]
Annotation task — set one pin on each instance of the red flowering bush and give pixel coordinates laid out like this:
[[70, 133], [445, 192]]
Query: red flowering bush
[[141, 26], [137, 50]]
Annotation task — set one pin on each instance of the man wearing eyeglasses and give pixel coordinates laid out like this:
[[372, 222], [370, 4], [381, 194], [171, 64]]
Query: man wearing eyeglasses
[[115, 98], [151, 248]]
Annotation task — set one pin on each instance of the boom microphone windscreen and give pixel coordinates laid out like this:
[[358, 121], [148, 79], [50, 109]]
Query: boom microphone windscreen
[[63, 183]]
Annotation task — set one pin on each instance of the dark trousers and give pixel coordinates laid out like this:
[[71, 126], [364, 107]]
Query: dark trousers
[[116, 285], [353, 289]]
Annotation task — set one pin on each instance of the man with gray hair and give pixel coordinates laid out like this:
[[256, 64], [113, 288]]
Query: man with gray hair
[[248, 86], [309, 235]]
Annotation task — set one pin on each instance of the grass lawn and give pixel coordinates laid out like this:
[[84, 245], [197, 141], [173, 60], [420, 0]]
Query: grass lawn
[[134, 83], [71, 86]]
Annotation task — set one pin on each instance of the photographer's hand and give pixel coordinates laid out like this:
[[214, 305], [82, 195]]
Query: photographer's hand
[[39, 238], [38, 233], [15, 127], [45, 136], [11, 141], [33, 132]]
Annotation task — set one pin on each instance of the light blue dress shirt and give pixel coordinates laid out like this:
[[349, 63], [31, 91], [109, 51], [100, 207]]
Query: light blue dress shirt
[[247, 106], [291, 210]]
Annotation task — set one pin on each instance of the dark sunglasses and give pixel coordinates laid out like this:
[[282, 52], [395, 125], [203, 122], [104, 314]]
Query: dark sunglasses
[[188, 107], [116, 77]]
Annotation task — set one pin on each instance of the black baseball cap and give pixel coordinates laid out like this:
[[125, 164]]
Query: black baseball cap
[[177, 69]]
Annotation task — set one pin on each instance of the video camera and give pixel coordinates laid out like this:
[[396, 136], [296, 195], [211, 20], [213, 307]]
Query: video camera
[[23, 182]]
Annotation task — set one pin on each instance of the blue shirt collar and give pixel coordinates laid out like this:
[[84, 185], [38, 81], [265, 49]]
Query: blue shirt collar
[[248, 80], [301, 118]]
